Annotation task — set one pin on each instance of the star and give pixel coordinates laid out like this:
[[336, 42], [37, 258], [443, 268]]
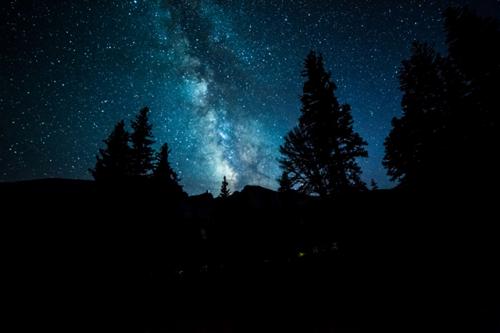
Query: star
[[222, 79]]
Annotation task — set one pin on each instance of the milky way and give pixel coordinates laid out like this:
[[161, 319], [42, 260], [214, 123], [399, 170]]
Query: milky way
[[215, 81], [222, 78]]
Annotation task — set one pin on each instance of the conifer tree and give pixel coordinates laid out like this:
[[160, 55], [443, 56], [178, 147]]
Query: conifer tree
[[163, 173], [319, 154], [113, 161], [224, 189], [142, 154], [449, 126], [415, 152]]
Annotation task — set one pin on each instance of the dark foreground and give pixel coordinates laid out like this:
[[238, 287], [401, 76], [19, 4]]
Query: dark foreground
[[81, 258]]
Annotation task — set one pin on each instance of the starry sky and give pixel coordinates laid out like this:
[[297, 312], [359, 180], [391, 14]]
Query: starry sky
[[222, 78]]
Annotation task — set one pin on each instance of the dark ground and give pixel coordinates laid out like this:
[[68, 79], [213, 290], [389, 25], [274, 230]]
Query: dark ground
[[81, 258]]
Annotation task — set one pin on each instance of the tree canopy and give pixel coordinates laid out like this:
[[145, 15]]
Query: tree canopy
[[319, 154]]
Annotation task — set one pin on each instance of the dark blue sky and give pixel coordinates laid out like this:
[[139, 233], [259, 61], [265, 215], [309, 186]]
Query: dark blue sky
[[222, 78]]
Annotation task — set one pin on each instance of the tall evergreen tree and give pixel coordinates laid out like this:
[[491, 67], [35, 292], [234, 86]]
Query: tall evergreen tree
[[113, 161], [224, 189], [449, 126], [319, 154], [415, 150], [142, 154], [163, 173], [474, 52], [285, 185]]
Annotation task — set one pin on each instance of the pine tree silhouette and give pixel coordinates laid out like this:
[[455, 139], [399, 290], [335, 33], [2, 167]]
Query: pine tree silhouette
[[163, 173], [285, 185], [449, 127], [474, 53], [415, 153], [374, 185], [113, 161], [319, 155], [224, 189], [142, 153]]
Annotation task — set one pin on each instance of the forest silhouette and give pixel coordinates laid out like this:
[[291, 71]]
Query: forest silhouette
[[143, 255], [444, 138]]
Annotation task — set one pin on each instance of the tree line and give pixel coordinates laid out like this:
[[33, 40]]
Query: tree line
[[130, 157], [448, 132], [445, 137]]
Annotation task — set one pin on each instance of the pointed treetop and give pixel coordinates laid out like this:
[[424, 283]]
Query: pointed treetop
[[142, 141], [163, 175], [113, 161], [224, 189], [163, 169]]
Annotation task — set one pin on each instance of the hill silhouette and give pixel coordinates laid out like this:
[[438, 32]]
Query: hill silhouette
[[134, 260]]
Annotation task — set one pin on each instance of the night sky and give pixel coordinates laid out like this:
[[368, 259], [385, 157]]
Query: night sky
[[222, 78]]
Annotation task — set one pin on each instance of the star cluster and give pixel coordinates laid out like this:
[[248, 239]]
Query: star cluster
[[222, 78]]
